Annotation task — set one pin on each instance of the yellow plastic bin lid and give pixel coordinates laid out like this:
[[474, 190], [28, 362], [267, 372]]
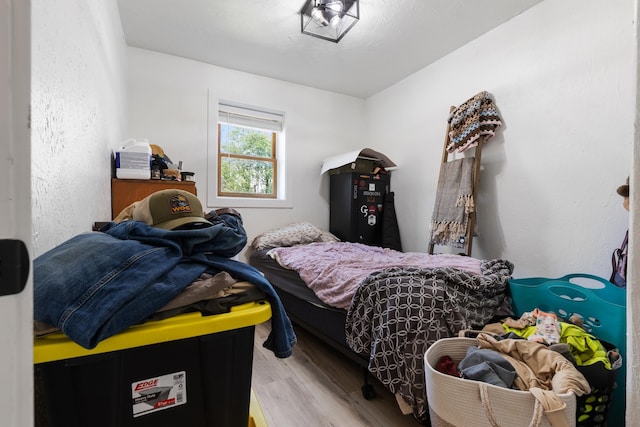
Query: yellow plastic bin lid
[[58, 346]]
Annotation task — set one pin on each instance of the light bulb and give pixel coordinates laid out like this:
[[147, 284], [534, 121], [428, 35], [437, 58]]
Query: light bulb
[[336, 6], [317, 14]]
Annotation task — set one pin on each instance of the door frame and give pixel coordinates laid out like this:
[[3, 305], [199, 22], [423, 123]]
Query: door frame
[[16, 309]]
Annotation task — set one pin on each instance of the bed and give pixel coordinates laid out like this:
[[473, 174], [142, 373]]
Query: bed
[[381, 308]]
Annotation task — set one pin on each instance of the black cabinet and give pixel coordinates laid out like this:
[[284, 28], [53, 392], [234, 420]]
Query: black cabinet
[[356, 202]]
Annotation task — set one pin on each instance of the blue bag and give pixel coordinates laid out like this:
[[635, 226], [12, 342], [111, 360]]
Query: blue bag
[[619, 264]]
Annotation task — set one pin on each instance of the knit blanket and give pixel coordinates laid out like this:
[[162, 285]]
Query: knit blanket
[[474, 121], [454, 203], [397, 313]]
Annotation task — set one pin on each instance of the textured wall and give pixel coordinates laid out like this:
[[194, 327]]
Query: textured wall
[[77, 115], [562, 75]]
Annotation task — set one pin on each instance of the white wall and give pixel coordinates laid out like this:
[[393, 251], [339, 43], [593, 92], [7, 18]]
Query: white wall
[[167, 103], [562, 76], [564, 79], [77, 115]]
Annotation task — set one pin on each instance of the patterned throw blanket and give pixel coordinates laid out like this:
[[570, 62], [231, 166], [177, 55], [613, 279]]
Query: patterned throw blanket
[[474, 121], [397, 313]]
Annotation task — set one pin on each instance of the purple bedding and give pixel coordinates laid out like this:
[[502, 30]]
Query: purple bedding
[[334, 270]]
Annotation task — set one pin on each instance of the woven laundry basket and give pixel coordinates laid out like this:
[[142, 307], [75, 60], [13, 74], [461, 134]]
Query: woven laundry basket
[[458, 402]]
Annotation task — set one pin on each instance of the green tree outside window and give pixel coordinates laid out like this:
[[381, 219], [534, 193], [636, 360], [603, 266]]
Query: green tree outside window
[[246, 161]]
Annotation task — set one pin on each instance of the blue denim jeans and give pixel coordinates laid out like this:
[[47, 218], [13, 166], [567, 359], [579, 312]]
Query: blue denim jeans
[[95, 285]]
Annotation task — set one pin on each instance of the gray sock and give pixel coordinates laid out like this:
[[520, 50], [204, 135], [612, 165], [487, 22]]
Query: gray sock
[[564, 350]]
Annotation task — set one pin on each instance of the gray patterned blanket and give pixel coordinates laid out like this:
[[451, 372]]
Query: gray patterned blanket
[[397, 313]]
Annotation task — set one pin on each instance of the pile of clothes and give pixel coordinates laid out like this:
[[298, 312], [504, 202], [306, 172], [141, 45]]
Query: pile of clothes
[[543, 354], [97, 284]]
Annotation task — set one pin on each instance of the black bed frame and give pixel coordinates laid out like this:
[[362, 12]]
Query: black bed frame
[[307, 311]]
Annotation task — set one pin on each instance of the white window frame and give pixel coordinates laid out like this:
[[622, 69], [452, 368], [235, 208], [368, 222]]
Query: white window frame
[[284, 189]]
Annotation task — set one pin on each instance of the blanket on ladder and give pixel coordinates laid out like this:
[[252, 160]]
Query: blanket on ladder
[[454, 203], [475, 120], [397, 313]]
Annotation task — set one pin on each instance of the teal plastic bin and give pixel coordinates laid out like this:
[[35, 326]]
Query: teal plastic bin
[[602, 306]]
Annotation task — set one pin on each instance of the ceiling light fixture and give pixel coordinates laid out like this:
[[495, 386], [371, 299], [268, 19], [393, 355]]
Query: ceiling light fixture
[[329, 19]]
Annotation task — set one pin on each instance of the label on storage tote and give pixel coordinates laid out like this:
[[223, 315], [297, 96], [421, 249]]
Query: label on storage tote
[[158, 393]]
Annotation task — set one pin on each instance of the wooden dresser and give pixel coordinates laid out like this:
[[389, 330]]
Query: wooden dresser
[[126, 191]]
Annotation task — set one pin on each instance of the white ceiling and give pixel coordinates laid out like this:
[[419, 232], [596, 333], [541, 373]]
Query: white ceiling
[[392, 40]]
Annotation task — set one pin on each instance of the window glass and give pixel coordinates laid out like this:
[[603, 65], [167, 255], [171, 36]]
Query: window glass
[[248, 161]]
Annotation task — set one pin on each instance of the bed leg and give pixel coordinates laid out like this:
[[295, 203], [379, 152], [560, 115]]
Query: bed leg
[[368, 392]]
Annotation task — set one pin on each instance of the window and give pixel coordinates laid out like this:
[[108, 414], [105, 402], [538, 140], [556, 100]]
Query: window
[[249, 153], [247, 165]]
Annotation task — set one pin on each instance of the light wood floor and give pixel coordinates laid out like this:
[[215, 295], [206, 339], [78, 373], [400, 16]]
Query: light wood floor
[[318, 387]]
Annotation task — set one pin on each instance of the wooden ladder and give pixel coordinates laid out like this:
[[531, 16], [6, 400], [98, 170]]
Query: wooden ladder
[[477, 155]]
